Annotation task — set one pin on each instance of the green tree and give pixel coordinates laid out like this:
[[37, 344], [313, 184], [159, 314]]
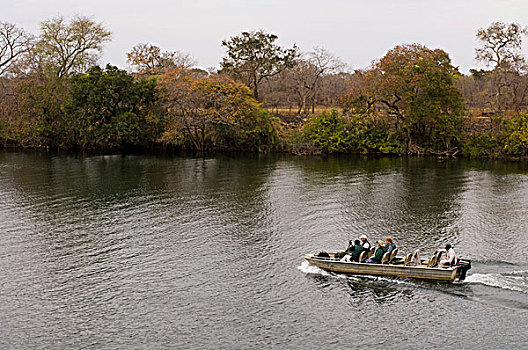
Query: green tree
[[108, 109], [335, 133], [39, 109], [516, 136], [254, 56]]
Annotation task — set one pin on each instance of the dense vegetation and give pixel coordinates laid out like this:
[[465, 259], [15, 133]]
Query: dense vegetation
[[54, 95]]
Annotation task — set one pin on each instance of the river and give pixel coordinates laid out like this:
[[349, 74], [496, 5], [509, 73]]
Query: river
[[185, 252]]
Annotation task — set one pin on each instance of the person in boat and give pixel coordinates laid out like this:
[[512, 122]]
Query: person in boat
[[355, 250], [352, 253], [389, 245], [378, 254], [350, 249], [365, 243], [450, 259]]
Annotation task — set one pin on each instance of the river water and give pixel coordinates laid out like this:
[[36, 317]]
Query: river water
[[144, 252]]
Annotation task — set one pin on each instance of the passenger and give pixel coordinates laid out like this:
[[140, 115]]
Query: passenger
[[356, 250], [378, 255], [350, 247], [365, 243], [341, 255], [450, 259], [389, 246]]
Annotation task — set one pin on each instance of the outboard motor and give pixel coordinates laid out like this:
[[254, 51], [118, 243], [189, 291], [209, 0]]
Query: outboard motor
[[464, 266]]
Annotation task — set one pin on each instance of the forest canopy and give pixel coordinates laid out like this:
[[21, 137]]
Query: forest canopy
[[55, 94]]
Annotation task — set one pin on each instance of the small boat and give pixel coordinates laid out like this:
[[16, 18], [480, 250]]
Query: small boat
[[396, 267]]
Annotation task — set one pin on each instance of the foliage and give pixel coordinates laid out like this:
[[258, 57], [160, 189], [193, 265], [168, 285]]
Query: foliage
[[214, 113], [108, 109], [516, 139], [415, 84], [481, 145], [40, 101], [334, 133], [253, 57]]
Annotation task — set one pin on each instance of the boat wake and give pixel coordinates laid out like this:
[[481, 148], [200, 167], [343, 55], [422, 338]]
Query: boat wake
[[305, 267], [515, 281], [310, 269]]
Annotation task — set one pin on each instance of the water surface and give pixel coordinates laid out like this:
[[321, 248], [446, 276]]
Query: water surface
[[188, 252]]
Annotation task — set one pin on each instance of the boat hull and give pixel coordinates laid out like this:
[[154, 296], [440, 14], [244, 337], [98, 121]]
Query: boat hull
[[395, 270]]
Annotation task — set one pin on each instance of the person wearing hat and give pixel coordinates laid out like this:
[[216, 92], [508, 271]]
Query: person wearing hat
[[376, 259], [365, 243], [450, 259]]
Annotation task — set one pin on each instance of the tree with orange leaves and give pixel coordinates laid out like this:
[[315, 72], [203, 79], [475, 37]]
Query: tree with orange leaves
[[414, 84], [213, 112]]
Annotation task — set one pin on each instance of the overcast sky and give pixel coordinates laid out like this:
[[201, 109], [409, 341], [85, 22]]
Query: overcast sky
[[357, 31]]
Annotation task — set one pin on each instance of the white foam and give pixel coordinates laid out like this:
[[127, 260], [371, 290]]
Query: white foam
[[310, 269], [307, 268], [500, 281]]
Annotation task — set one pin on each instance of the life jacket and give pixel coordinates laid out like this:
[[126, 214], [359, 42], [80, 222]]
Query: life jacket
[[378, 255], [356, 251], [364, 243], [390, 247]]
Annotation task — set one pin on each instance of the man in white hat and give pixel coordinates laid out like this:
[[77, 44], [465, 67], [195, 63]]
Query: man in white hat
[[364, 242]]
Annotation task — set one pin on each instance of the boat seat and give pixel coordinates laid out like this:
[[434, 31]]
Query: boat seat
[[415, 258], [385, 258], [363, 256], [371, 252], [433, 261], [393, 255], [407, 259]]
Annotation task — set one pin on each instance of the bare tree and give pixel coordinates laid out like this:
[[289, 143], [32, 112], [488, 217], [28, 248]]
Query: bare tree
[[73, 46], [506, 87], [149, 59], [501, 45], [308, 73], [14, 44]]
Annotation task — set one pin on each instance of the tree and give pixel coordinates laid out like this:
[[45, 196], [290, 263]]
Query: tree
[[39, 112], [14, 43], [516, 136], [107, 109], [325, 63], [307, 74], [253, 57], [149, 59], [335, 133], [501, 45], [506, 84], [71, 47], [214, 112], [416, 85]]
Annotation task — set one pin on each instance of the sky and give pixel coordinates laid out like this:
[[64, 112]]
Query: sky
[[357, 31]]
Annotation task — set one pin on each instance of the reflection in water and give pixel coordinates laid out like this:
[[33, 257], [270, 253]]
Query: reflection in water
[[188, 252]]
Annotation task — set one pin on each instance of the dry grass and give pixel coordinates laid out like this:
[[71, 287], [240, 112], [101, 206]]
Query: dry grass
[[293, 111]]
